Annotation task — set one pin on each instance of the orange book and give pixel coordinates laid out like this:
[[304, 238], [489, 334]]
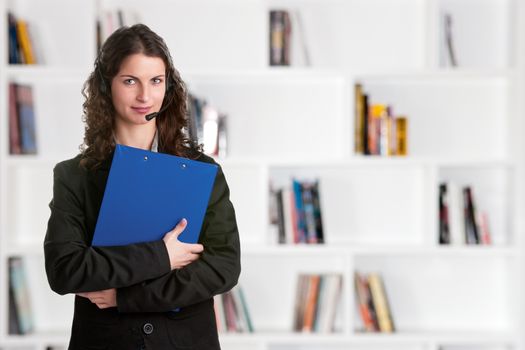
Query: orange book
[[311, 303], [363, 300], [25, 42]]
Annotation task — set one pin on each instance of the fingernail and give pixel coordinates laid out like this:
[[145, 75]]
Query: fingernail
[[184, 221]]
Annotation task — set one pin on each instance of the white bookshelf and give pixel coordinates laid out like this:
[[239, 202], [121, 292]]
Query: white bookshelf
[[379, 213]]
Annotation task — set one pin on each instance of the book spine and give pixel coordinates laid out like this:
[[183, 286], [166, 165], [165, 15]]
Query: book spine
[[14, 123], [26, 116], [381, 306], [444, 233], [300, 297], [276, 38], [401, 136], [359, 119], [317, 212], [311, 303], [363, 301], [471, 230], [20, 289], [25, 41]]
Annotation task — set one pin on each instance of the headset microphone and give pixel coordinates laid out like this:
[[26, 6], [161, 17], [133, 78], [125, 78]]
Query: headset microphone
[[155, 114], [151, 115]]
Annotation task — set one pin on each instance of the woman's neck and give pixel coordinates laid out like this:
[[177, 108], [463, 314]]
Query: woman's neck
[[138, 136]]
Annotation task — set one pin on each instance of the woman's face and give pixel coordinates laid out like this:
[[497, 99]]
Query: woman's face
[[138, 88]]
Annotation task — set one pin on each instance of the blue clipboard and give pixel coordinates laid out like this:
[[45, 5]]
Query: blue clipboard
[[148, 193]]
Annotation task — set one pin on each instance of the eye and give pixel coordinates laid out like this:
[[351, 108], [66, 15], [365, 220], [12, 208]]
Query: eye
[[129, 81], [156, 80]]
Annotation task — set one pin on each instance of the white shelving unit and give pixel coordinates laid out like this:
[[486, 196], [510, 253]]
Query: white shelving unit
[[379, 214]]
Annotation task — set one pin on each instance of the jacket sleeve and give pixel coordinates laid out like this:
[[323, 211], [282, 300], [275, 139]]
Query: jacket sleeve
[[216, 271], [73, 266]]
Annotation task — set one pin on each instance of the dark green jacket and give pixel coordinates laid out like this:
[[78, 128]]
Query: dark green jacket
[[146, 288]]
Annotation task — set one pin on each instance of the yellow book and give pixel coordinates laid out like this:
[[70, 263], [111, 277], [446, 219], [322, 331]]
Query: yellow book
[[383, 313], [25, 42], [401, 136], [360, 119]]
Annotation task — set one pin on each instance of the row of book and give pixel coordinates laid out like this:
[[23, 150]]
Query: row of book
[[460, 221], [317, 302], [377, 130], [372, 303], [231, 312], [207, 127], [22, 130], [21, 41], [20, 312], [296, 211]]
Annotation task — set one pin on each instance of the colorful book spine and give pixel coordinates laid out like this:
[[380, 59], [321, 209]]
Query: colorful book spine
[[381, 306], [26, 119], [20, 292]]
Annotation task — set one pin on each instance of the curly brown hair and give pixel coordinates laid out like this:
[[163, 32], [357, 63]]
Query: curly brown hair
[[99, 112]]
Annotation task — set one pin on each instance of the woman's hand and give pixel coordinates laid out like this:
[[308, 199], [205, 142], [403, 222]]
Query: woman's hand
[[103, 298], [181, 254]]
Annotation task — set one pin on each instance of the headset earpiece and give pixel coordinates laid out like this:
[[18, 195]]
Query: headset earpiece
[[103, 84]]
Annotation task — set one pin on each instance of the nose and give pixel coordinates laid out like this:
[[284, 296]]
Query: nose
[[143, 93]]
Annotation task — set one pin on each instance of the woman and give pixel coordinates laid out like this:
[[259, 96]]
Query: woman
[[124, 295]]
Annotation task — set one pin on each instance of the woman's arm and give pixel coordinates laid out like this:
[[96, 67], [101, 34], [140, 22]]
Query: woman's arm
[[72, 265], [216, 271]]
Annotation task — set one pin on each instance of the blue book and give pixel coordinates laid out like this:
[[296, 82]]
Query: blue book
[[148, 193], [26, 115]]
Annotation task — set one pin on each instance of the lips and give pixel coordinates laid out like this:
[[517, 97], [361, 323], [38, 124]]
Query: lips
[[141, 110]]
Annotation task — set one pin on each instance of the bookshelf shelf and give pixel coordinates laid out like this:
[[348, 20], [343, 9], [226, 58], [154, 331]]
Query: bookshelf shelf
[[450, 74], [37, 73], [379, 213], [357, 338], [292, 250], [281, 338]]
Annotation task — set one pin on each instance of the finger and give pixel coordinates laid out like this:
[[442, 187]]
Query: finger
[[193, 247], [196, 248], [180, 227]]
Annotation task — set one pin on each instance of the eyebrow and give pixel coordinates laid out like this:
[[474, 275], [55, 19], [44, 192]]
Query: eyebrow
[[134, 77]]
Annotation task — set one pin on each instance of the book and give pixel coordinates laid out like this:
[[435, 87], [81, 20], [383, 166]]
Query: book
[[380, 301], [20, 291], [15, 146], [14, 320], [328, 302], [360, 119], [401, 135], [444, 232], [456, 214], [471, 225], [22, 30], [14, 46], [311, 301], [279, 40], [299, 51], [165, 189], [364, 301], [316, 200], [449, 54], [26, 119]]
